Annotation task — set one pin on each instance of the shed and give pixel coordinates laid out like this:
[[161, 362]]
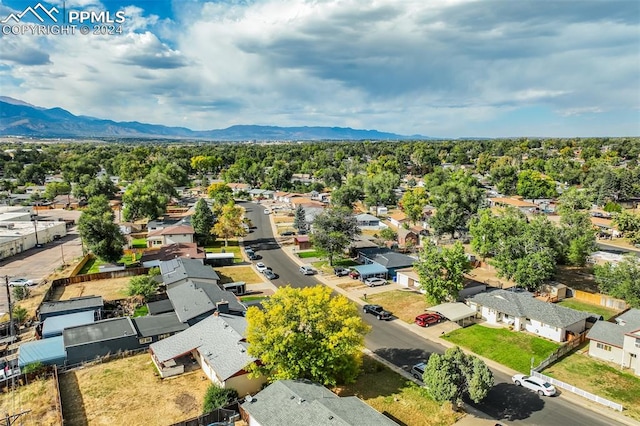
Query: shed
[[90, 341], [53, 326], [219, 259], [76, 304], [239, 288], [371, 270], [556, 291], [47, 351], [302, 241], [152, 328], [160, 307], [456, 312]]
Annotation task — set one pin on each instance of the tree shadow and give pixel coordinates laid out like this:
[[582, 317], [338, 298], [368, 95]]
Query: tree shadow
[[509, 402], [73, 409], [375, 380], [405, 358]]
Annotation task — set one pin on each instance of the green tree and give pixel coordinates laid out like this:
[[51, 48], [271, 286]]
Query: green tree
[[20, 314], [346, 195], [441, 271], [379, 189], [306, 333], [413, 203], [299, 220], [629, 224], [147, 198], [505, 178], [53, 189], [142, 285], [333, 230], [21, 292], [533, 184], [456, 198], [99, 232], [217, 397], [202, 221], [621, 280], [388, 234], [454, 375], [229, 223], [220, 193]]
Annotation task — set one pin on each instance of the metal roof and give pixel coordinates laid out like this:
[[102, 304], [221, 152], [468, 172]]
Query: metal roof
[[53, 326], [72, 304], [370, 269], [454, 311], [153, 325], [47, 351], [99, 331]]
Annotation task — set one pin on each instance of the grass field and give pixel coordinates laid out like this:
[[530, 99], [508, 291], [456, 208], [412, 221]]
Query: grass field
[[309, 254], [405, 305], [111, 289], [232, 274], [39, 397], [588, 307], [139, 243], [217, 247], [323, 265], [397, 397], [601, 379], [93, 265], [511, 348], [126, 391]]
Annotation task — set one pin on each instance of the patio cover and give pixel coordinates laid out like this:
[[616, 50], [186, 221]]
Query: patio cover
[[454, 311], [370, 270]]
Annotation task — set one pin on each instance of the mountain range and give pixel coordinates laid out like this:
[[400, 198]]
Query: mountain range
[[18, 118]]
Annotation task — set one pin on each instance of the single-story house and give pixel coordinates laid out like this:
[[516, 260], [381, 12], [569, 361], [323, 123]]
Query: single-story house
[[397, 219], [286, 197], [70, 306], [152, 328], [301, 402], [605, 225], [238, 187], [520, 204], [181, 269], [186, 250], [170, 235], [366, 220], [409, 278], [310, 213], [407, 237], [195, 300], [217, 343], [389, 259], [524, 312], [618, 341]]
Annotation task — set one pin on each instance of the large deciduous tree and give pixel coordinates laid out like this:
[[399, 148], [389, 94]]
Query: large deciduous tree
[[413, 203], [621, 280], [533, 184], [455, 375], [441, 271], [629, 224], [229, 222], [307, 334], [333, 231], [99, 232], [202, 221]]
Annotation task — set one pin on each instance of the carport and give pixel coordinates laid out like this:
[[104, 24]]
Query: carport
[[457, 312], [371, 270]]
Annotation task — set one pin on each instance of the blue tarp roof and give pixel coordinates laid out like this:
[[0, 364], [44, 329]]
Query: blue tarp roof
[[370, 269], [47, 351], [53, 326]]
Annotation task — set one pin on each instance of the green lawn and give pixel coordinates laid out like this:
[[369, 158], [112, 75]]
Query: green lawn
[[253, 298], [308, 254], [232, 247], [139, 243], [511, 348], [588, 307], [141, 311], [93, 265]]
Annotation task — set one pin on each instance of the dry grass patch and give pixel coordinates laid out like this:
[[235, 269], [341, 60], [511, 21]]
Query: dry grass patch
[[351, 285], [111, 289], [283, 219], [232, 274], [39, 397], [126, 391], [404, 304]]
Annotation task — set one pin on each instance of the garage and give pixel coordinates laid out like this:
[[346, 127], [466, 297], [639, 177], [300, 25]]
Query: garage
[[456, 312]]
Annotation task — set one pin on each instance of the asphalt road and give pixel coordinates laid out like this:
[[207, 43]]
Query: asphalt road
[[616, 249], [505, 403]]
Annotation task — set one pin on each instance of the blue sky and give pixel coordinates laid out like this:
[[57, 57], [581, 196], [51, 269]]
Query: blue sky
[[446, 68]]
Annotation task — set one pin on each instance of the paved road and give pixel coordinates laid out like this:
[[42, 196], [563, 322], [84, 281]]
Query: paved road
[[506, 402], [616, 249]]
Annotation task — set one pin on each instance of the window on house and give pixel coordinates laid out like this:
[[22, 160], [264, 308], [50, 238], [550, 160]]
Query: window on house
[[603, 347], [145, 340], [163, 336]]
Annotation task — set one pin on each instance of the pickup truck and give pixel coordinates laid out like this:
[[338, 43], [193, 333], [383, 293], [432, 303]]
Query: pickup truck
[[378, 311]]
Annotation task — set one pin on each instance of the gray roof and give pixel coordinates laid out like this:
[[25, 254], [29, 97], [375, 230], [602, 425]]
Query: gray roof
[[392, 259], [99, 331], [85, 302], [154, 325], [297, 402], [366, 217], [193, 298], [523, 304], [219, 340], [160, 307], [613, 333], [179, 269]]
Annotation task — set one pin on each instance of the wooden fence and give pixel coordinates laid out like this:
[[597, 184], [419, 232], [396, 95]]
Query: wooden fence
[[58, 396], [80, 265], [99, 276], [600, 299], [561, 351]]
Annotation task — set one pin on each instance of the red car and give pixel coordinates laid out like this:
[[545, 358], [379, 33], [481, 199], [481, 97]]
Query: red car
[[425, 320]]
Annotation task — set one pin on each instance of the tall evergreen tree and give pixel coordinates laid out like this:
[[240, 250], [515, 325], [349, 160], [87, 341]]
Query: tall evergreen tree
[[202, 221]]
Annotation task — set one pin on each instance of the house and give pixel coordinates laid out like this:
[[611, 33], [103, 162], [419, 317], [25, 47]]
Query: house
[[389, 259], [524, 312], [194, 300], [77, 304], [619, 341], [238, 187], [152, 328], [311, 212], [397, 219], [301, 402], [409, 278], [153, 258], [285, 197], [407, 237], [170, 235], [217, 343], [367, 221], [182, 269], [520, 204]]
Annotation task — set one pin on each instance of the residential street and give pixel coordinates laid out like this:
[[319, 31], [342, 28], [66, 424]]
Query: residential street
[[506, 403]]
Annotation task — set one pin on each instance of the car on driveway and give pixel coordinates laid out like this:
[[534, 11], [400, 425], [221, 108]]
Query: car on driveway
[[21, 282], [542, 387], [288, 233], [261, 267], [429, 318], [354, 275], [307, 270], [269, 274], [417, 370], [378, 311], [341, 272], [374, 281]]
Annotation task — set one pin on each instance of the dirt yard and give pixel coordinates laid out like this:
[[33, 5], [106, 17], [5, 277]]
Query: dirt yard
[[128, 391], [38, 398], [111, 289]]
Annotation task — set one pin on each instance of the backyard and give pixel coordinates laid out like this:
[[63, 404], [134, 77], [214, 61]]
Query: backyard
[[93, 265], [599, 378], [232, 274], [402, 400], [109, 289], [232, 247], [588, 307], [38, 398], [125, 391], [510, 348], [404, 304]]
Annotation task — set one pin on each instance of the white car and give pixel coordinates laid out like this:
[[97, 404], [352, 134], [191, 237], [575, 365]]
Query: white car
[[266, 211], [540, 386], [307, 270], [261, 267], [374, 282], [20, 282]]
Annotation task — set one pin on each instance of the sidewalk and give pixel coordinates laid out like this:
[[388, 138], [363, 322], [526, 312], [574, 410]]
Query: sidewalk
[[474, 417]]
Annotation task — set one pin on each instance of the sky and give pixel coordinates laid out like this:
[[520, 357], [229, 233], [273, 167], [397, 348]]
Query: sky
[[440, 68]]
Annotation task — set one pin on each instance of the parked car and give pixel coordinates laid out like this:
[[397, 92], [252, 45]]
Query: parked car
[[378, 311], [341, 272], [288, 233], [261, 267], [269, 274], [20, 282], [542, 387], [417, 370], [266, 211], [429, 318], [307, 270], [354, 274], [374, 281]]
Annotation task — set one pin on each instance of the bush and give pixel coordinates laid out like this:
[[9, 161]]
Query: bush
[[20, 314], [21, 293], [217, 397], [142, 285]]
